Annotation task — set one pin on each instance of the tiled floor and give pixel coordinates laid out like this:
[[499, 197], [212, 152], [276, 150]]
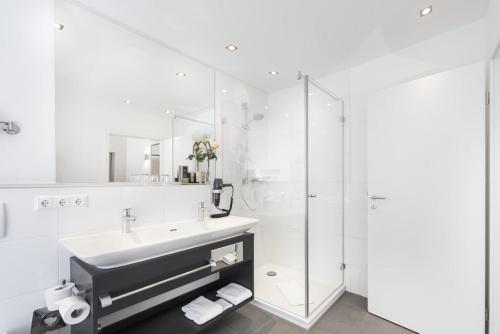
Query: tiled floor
[[347, 316]]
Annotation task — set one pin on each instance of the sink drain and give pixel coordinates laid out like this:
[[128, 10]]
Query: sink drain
[[271, 273]]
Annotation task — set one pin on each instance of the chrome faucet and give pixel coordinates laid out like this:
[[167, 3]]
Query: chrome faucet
[[201, 211], [127, 219]]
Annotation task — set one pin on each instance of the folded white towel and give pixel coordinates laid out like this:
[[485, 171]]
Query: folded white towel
[[234, 293], [202, 310], [225, 305]]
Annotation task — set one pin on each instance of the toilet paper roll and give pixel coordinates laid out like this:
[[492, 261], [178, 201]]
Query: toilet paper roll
[[73, 310], [57, 293]]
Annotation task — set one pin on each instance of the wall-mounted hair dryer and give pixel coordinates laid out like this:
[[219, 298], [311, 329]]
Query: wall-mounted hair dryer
[[216, 194]]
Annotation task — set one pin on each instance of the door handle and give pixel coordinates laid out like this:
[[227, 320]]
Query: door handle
[[375, 198]]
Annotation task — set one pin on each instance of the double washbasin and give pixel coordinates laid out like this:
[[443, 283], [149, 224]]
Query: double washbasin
[[114, 249]]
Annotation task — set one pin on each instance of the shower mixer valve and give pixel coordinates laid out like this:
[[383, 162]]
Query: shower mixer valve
[[10, 128]]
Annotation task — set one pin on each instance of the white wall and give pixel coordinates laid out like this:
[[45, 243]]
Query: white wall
[[27, 86], [493, 25], [31, 256]]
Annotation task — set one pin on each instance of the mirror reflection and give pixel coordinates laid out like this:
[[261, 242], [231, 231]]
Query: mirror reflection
[[128, 109]]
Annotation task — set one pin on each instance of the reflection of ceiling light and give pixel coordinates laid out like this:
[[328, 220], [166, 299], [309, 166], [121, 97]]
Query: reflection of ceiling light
[[59, 26], [310, 94], [328, 104], [231, 47], [168, 112], [426, 11], [274, 73], [224, 91], [266, 107], [181, 74], [128, 102]]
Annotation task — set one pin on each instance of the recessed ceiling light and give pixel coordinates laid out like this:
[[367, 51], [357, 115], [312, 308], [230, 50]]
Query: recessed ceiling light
[[181, 74], [425, 11], [224, 91], [129, 101], [274, 72], [266, 107], [310, 94], [328, 104], [168, 112], [59, 26], [231, 47]]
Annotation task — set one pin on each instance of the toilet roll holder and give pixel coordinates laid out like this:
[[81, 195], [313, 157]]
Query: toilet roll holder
[[45, 321]]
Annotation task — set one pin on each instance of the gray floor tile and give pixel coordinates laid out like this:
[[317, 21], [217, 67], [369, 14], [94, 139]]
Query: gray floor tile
[[219, 329], [247, 320], [345, 314], [348, 316], [354, 301], [333, 327], [278, 326], [376, 325], [341, 319]]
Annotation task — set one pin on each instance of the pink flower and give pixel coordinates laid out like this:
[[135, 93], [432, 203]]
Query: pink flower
[[215, 144]]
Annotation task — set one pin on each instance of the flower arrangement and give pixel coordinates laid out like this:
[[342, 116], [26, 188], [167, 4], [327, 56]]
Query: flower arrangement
[[204, 149]]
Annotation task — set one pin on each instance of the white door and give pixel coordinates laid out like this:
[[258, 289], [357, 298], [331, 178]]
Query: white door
[[426, 239]]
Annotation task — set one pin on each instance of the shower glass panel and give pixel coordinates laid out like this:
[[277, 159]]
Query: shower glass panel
[[325, 210], [275, 151]]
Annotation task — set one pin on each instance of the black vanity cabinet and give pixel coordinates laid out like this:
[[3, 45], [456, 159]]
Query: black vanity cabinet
[[146, 297]]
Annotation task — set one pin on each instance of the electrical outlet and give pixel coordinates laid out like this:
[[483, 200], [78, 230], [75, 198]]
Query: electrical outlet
[[80, 201], [44, 202], [63, 202]]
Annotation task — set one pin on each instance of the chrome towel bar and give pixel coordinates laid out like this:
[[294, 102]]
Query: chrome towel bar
[[106, 300]]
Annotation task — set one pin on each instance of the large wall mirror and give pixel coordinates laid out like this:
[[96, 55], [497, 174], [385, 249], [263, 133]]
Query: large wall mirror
[[128, 109]]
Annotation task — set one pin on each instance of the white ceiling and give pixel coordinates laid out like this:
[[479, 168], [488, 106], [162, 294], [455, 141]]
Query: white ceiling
[[313, 36]]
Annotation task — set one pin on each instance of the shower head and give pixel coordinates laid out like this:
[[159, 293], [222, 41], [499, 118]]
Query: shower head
[[258, 116], [255, 117]]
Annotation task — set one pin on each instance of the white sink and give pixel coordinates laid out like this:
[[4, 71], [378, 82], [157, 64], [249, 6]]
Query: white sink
[[114, 249]]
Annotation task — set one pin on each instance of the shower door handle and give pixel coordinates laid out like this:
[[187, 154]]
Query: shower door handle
[[375, 197], [312, 195]]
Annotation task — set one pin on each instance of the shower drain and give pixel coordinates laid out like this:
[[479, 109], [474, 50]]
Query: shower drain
[[271, 273]]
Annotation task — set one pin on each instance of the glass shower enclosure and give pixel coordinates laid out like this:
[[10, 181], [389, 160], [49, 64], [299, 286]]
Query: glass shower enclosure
[[284, 152]]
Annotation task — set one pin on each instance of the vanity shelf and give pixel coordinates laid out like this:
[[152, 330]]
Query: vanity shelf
[[130, 299], [173, 320]]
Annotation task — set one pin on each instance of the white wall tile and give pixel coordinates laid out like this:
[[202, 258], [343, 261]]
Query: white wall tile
[[103, 213], [359, 252], [29, 265], [27, 86], [347, 278], [359, 284], [148, 203], [16, 313], [181, 202], [22, 219], [63, 263]]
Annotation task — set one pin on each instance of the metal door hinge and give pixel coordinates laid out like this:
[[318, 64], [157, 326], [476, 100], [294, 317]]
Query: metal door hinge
[[342, 266], [488, 98], [342, 119], [487, 315]]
